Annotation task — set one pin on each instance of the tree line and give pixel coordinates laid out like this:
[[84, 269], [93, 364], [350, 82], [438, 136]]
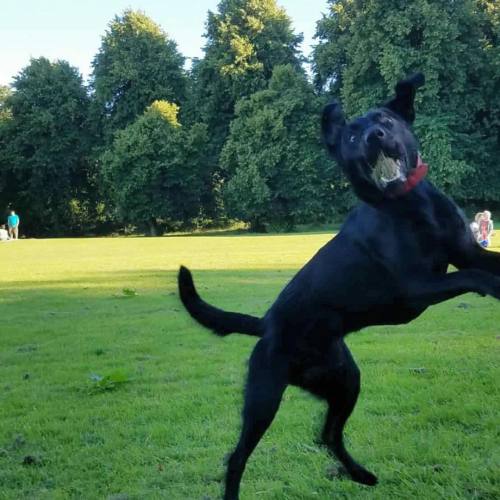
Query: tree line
[[149, 145]]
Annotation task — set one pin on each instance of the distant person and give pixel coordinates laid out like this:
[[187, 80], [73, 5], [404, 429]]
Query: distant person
[[13, 223], [485, 229], [4, 235], [474, 226]]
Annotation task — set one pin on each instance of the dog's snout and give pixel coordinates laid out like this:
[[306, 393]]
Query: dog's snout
[[374, 134]]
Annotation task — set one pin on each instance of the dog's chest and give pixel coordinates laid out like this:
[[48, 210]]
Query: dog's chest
[[427, 238], [405, 245]]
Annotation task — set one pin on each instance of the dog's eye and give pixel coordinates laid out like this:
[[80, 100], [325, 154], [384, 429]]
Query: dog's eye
[[387, 122], [352, 138]]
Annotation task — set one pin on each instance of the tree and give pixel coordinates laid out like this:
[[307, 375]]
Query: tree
[[246, 39], [5, 163], [276, 168], [153, 169], [366, 47], [5, 93], [45, 146], [136, 64]]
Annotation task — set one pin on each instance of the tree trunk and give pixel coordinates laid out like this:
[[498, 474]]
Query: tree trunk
[[153, 228], [257, 226]]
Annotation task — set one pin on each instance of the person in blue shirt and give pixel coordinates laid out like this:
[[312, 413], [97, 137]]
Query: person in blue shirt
[[13, 223]]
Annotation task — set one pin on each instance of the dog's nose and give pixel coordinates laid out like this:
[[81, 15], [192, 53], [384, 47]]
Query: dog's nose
[[374, 134]]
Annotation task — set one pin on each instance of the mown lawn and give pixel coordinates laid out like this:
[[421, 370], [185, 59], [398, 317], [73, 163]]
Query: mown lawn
[[109, 390]]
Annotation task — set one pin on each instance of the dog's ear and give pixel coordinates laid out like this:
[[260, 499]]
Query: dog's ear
[[406, 89], [332, 122]]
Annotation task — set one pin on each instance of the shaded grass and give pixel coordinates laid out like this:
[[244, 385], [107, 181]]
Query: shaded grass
[[426, 423]]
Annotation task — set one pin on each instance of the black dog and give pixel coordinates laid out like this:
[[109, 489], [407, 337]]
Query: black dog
[[386, 266]]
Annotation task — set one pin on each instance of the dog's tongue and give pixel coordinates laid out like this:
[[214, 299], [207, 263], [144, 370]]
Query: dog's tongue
[[415, 176]]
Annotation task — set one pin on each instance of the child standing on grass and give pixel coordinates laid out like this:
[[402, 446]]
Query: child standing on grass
[[485, 229], [13, 223]]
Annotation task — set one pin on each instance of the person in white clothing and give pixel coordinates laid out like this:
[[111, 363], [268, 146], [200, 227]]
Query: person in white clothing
[[4, 235]]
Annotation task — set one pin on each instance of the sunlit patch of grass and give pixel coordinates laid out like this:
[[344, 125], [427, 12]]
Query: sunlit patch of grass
[[83, 312]]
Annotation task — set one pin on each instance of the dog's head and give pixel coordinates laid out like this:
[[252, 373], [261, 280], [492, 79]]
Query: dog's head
[[377, 151]]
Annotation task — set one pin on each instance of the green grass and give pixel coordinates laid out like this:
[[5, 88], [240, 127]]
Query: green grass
[[109, 390]]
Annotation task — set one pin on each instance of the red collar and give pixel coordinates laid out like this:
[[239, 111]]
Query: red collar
[[414, 177]]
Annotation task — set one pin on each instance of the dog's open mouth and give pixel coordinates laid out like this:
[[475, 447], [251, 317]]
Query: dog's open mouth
[[387, 170], [392, 176]]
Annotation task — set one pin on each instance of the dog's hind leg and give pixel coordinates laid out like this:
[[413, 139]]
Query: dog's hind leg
[[267, 380], [341, 402]]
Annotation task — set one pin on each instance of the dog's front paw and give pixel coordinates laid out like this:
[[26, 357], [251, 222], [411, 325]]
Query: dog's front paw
[[496, 293], [493, 289]]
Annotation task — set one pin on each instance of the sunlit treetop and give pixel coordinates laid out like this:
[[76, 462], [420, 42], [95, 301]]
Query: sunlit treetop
[[136, 64], [134, 22], [253, 35], [167, 110]]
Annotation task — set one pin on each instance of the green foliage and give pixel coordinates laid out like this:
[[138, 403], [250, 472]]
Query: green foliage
[[87, 160], [5, 113], [129, 292], [45, 146], [167, 110], [153, 169], [438, 143], [276, 168], [5, 163], [365, 47], [106, 383], [136, 64], [246, 39]]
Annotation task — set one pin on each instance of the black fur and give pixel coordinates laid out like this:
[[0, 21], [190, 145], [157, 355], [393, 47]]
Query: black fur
[[386, 266], [220, 322]]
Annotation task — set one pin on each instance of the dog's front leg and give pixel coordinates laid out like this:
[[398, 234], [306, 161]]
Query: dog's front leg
[[475, 257], [433, 289]]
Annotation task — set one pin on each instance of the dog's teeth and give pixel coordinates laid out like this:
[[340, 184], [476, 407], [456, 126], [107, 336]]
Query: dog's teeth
[[387, 169], [385, 179]]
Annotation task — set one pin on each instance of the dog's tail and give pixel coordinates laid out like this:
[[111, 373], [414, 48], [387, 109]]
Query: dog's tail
[[221, 322]]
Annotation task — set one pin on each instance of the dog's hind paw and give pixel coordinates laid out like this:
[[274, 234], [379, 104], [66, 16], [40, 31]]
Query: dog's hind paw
[[364, 477]]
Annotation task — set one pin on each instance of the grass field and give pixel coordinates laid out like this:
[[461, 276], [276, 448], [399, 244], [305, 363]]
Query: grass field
[[109, 390]]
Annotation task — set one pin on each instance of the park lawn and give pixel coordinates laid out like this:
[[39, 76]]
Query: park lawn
[[109, 390]]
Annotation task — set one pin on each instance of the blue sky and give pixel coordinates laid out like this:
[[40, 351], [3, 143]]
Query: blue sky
[[72, 30]]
